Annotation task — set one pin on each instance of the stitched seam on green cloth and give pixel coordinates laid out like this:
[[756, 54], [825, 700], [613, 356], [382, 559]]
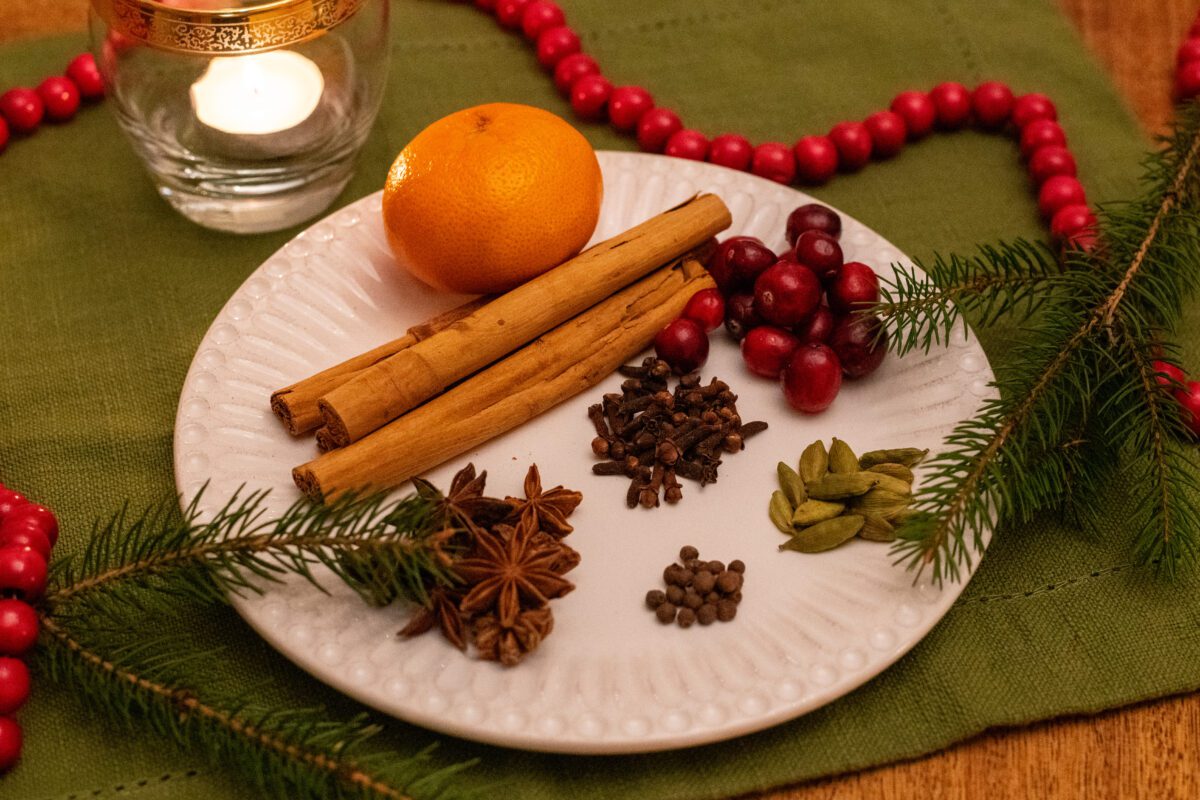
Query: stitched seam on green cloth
[[998, 598], [127, 788]]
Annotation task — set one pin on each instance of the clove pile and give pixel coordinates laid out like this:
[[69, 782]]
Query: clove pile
[[654, 436]]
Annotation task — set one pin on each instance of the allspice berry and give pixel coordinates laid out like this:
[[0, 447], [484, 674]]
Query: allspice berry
[[688, 553], [737, 565], [697, 591], [705, 614], [666, 613], [692, 600], [726, 610], [675, 594], [655, 598], [704, 582], [686, 617], [729, 582]]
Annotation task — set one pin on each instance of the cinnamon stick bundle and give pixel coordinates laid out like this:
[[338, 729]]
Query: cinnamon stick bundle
[[296, 405], [569, 359], [382, 392]]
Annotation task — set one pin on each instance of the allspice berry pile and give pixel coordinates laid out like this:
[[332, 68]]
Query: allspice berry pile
[[697, 591]]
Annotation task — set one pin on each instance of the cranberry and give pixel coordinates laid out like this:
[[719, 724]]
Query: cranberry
[[860, 343], [1187, 81], [706, 307], [953, 104], [14, 684], [731, 150], [819, 251], [9, 500], [888, 133], [510, 12], [60, 97], [774, 161], [589, 96], [1188, 51], [23, 109], [25, 535], [3, 134], [1046, 162], [992, 103], [23, 571], [853, 143], [1070, 220], [787, 293], [36, 514], [1058, 192], [555, 44], [812, 378], [1189, 400], [10, 743], [1029, 107], [1168, 374], [1041, 133], [86, 76], [626, 106], [541, 15], [572, 68], [766, 350], [689, 144], [18, 627], [813, 217], [682, 344], [818, 327], [816, 159], [853, 286], [739, 260], [740, 316], [917, 111], [655, 127]]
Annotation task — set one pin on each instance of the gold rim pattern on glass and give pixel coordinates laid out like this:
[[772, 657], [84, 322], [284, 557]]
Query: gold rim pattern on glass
[[224, 32]]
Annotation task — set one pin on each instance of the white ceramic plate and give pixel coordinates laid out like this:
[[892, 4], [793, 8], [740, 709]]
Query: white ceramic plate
[[610, 679]]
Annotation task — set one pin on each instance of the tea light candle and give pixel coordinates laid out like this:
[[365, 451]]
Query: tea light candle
[[257, 94]]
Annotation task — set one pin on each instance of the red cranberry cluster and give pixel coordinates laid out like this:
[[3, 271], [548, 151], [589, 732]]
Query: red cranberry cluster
[[1187, 64], [28, 532], [57, 98], [1186, 392]]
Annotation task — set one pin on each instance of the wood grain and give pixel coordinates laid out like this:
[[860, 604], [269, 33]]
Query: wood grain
[[1143, 751]]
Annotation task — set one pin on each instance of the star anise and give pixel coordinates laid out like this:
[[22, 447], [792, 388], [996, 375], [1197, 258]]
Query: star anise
[[568, 557], [444, 612], [508, 644], [509, 566], [464, 504], [546, 511]]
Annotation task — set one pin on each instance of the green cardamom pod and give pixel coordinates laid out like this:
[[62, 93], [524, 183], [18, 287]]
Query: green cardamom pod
[[877, 529], [908, 456], [839, 486], [895, 470], [814, 462], [841, 457], [780, 512], [825, 535], [811, 512], [891, 484], [790, 483], [881, 502]]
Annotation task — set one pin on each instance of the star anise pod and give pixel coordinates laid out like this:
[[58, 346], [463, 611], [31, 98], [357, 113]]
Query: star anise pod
[[465, 503], [508, 644], [546, 511], [509, 566], [443, 611], [568, 557]]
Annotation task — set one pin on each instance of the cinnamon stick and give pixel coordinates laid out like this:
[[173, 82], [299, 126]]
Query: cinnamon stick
[[384, 391], [296, 405], [569, 359]]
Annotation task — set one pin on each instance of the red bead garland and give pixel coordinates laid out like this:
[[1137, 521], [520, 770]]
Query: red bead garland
[[57, 99]]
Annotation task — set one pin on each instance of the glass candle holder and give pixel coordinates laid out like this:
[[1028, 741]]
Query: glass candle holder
[[248, 115]]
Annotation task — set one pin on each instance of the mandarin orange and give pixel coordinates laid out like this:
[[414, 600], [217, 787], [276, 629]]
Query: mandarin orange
[[488, 197]]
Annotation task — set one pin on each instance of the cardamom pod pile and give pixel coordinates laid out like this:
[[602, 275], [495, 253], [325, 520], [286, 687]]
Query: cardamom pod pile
[[834, 495]]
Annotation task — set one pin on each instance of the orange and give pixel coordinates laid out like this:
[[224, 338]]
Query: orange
[[488, 197]]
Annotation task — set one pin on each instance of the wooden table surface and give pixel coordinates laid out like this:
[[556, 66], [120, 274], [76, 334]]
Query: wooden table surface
[[1143, 751]]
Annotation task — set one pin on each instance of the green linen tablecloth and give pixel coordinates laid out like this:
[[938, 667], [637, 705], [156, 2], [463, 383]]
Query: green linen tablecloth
[[105, 293]]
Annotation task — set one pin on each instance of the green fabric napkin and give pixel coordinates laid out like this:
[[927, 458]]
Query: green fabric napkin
[[105, 293]]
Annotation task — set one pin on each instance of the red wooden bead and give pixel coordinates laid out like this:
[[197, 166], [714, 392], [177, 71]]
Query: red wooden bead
[[14, 684], [953, 104], [888, 133], [1046, 162], [10, 743], [84, 73], [1188, 51], [18, 627], [687, 143], [10, 499], [486, 5], [1029, 107], [731, 150], [3, 135], [627, 105], [918, 112], [1070, 220], [1187, 81], [816, 159], [25, 533], [992, 103], [589, 95], [1059, 192], [60, 97], [22, 571], [23, 109], [1189, 401], [510, 12], [541, 15], [1195, 29], [853, 143], [655, 127], [774, 161], [571, 68], [38, 515], [1041, 133], [555, 44], [1169, 374]]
